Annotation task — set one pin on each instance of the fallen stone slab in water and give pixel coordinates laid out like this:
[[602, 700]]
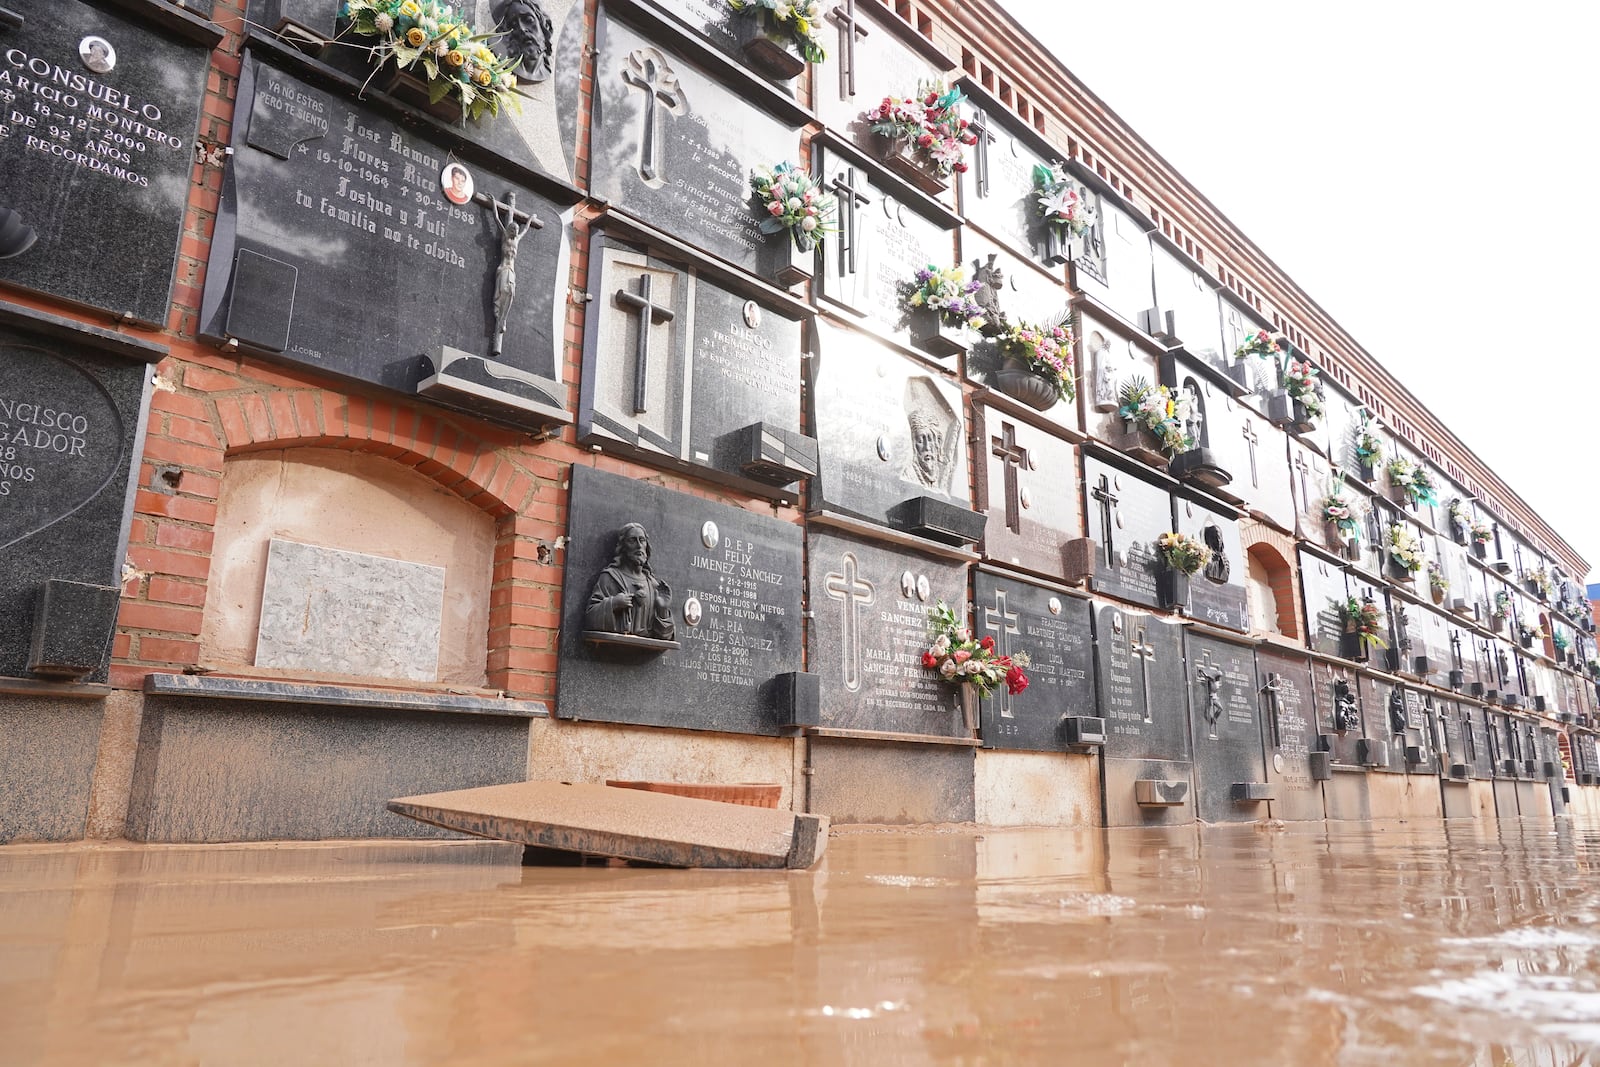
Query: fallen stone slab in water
[[628, 824]]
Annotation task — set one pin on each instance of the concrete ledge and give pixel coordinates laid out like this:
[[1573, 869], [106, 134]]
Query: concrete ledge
[[324, 697]]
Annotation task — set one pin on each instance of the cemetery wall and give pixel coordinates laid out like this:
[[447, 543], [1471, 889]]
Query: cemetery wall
[[352, 405]]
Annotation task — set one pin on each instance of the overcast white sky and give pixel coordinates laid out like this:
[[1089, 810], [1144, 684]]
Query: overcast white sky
[[1426, 170]]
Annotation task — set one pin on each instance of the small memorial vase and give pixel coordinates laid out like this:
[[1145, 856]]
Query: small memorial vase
[[1059, 249], [969, 706], [1352, 647], [932, 333], [1480, 549], [1364, 471], [788, 260], [1526, 640], [1172, 588], [766, 45], [1240, 382], [1399, 573], [1022, 383], [900, 154], [1497, 623]]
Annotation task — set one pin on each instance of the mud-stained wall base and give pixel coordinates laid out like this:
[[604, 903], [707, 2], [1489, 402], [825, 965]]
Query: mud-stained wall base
[[891, 781], [47, 756], [1404, 796], [1345, 797], [1036, 789], [593, 752], [242, 770]]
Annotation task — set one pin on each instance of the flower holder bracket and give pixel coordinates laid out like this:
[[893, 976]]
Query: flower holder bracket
[[1172, 589], [1083, 733], [1239, 380], [1287, 413], [764, 47], [785, 263], [939, 520], [410, 89], [1141, 444], [1199, 466], [1058, 250], [899, 154], [772, 455], [933, 335]]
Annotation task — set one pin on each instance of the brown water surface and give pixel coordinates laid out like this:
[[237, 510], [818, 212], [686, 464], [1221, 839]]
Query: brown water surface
[[1394, 944]]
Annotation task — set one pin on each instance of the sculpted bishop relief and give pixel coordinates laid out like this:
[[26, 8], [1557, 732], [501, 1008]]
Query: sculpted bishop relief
[[628, 598]]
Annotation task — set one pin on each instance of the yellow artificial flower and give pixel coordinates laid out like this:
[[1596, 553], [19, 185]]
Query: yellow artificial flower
[[415, 37], [410, 10], [483, 77]]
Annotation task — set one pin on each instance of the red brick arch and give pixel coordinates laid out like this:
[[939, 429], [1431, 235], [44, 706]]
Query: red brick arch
[[207, 408]]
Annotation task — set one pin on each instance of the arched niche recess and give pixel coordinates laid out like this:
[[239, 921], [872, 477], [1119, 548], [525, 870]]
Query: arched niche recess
[[408, 532]]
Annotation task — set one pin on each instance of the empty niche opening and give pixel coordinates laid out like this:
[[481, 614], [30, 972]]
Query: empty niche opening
[[1271, 591], [333, 564]]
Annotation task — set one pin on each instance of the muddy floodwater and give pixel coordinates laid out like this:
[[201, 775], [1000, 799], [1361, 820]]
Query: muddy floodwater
[[1393, 944]]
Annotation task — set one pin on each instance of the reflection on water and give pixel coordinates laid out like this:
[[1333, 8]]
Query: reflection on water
[[1394, 944]]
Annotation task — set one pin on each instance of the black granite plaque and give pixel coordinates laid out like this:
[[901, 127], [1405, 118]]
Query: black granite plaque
[[868, 59], [1191, 299], [97, 123], [998, 192], [1224, 722], [1217, 592], [1021, 485], [549, 35], [732, 605], [890, 431], [682, 371], [340, 249], [675, 147], [1253, 374], [1126, 516], [1453, 760], [1339, 718], [1384, 704], [1290, 731], [1475, 737], [1139, 661], [1419, 747], [1587, 754], [1054, 631], [883, 240], [70, 424], [871, 606]]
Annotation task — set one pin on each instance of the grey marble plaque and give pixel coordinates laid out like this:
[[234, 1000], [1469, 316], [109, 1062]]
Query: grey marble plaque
[[1126, 516], [1055, 632], [1224, 721], [328, 609], [1020, 485]]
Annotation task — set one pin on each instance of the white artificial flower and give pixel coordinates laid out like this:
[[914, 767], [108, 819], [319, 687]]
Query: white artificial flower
[[948, 668], [384, 22]]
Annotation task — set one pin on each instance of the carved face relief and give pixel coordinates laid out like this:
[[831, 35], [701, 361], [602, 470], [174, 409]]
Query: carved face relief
[[529, 35]]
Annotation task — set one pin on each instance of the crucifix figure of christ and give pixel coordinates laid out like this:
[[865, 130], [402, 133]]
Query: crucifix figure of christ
[[1002, 621], [650, 314], [1107, 496], [648, 72], [1142, 650], [853, 593], [1270, 691], [849, 30], [1251, 438], [1005, 447], [514, 226], [1209, 675], [849, 198]]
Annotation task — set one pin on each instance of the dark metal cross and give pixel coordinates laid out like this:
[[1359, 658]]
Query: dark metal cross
[[1469, 737], [849, 197], [853, 593], [849, 30], [1108, 508], [1005, 447], [649, 314], [1141, 649], [1209, 675], [648, 73], [1252, 439], [980, 152], [1003, 621], [1304, 470], [1455, 649]]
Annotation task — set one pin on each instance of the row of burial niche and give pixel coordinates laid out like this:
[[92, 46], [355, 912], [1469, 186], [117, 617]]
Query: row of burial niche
[[1127, 517]]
